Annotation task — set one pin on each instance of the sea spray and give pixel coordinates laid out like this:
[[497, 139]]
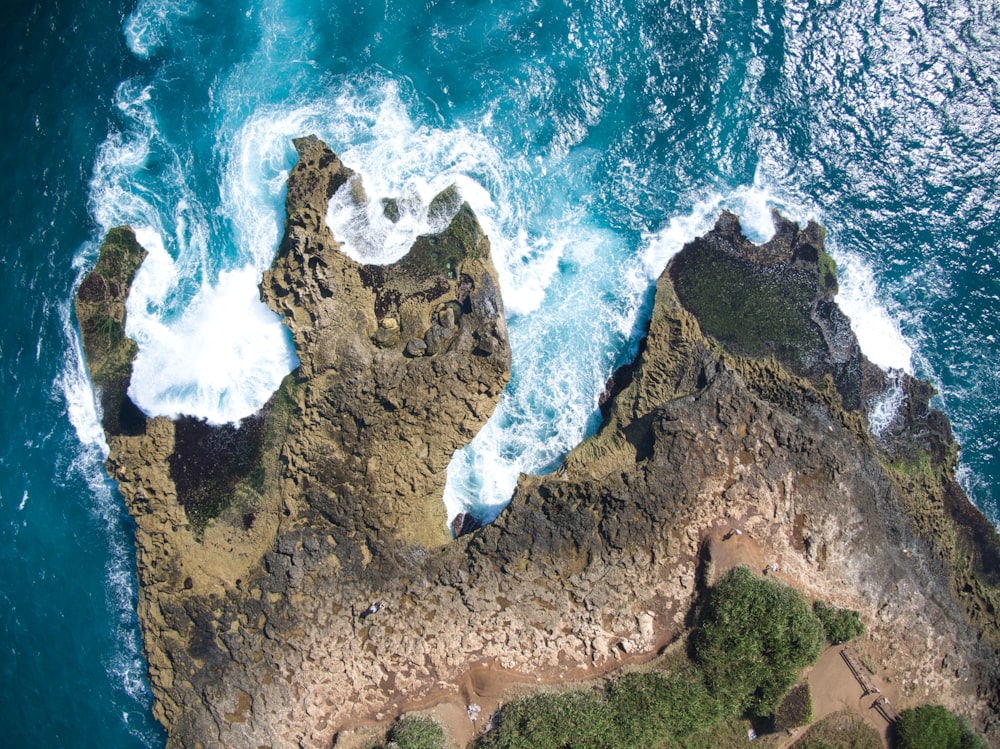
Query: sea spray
[[125, 665]]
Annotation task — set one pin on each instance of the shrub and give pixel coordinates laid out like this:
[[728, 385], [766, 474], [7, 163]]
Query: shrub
[[650, 707], [752, 639], [553, 721], [646, 709], [839, 625], [416, 732], [935, 727]]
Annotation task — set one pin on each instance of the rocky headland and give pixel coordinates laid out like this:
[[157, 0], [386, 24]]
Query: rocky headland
[[262, 546]]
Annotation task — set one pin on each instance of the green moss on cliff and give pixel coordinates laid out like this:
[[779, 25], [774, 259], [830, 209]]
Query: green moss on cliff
[[100, 307], [827, 273], [227, 469], [443, 253], [958, 532], [749, 308], [100, 313]]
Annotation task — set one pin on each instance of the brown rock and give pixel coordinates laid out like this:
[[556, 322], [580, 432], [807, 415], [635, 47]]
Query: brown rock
[[254, 631]]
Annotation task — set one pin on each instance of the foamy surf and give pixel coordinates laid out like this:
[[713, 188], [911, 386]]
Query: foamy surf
[[567, 347], [125, 666]]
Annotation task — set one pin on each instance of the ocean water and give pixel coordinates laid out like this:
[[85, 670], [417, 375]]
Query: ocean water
[[592, 138]]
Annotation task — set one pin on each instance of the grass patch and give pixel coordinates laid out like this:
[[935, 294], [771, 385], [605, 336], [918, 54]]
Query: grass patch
[[795, 710]]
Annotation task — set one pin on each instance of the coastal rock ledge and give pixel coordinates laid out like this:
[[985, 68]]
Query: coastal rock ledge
[[262, 547]]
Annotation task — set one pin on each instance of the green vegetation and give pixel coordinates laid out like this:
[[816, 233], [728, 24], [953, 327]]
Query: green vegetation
[[839, 625], [443, 253], [748, 308], [935, 727], [416, 732], [224, 471], [555, 720], [653, 706], [843, 730], [120, 256], [100, 308], [752, 639], [827, 272]]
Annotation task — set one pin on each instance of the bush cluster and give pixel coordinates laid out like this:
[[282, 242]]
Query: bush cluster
[[416, 732], [839, 625], [752, 638], [935, 727]]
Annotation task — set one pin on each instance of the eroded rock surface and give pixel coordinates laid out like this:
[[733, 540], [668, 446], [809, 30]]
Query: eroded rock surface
[[255, 626]]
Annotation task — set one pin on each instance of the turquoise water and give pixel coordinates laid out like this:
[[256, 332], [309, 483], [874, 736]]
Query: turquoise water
[[592, 140]]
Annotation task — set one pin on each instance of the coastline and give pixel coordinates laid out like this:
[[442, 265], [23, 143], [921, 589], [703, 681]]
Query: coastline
[[591, 567]]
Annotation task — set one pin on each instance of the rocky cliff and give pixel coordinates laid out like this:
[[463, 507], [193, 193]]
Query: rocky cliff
[[261, 547]]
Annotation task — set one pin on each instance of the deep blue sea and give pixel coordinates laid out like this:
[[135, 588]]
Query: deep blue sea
[[592, 138]]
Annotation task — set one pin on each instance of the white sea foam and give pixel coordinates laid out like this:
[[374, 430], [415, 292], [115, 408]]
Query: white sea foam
[[147, 27], [370, 128], [564, 352], [562, 349], [189, 347], [74, 384], [220, 359], [126, 665], [883, 409], [255, 168], [658, 247], [752, 204], [876, 329], [395, 158], [224, 365]]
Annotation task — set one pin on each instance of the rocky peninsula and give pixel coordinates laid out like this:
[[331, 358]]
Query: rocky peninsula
[[264, 549]]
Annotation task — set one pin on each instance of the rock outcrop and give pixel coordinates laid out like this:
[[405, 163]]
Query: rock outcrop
[[255, 612]]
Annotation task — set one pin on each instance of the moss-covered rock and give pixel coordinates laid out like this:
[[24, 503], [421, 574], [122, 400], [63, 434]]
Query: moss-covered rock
[[100, 313], [774, 299]]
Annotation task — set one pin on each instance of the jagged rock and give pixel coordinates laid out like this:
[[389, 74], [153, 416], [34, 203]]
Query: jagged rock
[[463, 524], [775, 299], [253, 629], [100, 313]]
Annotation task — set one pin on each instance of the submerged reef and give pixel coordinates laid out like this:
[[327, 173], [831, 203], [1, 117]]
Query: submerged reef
[[296, 576]]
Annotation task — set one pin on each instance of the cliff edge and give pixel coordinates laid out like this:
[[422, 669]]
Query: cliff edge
[[261, 548]]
